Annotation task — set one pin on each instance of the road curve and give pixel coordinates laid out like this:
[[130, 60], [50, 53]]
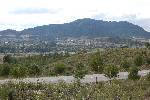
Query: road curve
[[70, 79]]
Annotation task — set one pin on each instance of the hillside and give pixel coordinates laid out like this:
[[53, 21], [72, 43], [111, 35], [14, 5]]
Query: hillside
[[66, 64], [80, 64], [83, 27]]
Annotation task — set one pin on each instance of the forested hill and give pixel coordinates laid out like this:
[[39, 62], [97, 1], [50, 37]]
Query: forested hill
[[84, 27]]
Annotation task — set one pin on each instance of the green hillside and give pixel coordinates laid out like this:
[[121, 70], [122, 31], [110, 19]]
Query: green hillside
[[66, 64]]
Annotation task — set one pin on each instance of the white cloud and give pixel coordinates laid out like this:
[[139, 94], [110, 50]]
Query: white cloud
[[31, 11], [22, 13]]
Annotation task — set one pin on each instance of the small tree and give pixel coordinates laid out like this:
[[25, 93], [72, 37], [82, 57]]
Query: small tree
[[18, 71], [5, 69], [80, 71], [133, 73], [111, 71], [7, 59], [97, 63], [125, 64], [147, 45], [60, 68], [34, 70], [138, 60]]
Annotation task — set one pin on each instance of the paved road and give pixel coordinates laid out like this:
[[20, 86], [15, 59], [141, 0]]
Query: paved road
[[69, 79]]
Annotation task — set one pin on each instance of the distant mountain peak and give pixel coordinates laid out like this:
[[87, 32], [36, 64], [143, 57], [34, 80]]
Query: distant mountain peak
[[84, 27], [85, 20]]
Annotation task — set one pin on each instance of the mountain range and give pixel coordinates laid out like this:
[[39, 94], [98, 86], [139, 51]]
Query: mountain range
[[81, 28]]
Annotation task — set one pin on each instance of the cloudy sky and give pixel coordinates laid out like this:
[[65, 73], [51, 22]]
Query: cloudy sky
[[20, 14]]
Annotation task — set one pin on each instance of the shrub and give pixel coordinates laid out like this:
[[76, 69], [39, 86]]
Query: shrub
[[111, 71], [60, 68], [34, 70], [97, 63], [138, 60], [7, 59], [5, 69], [147, 45], [125, 64], [18, 71], [80, 71], [133, 73]]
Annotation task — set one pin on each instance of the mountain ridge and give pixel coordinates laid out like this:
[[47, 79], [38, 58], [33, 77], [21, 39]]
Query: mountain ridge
[[83, 27]]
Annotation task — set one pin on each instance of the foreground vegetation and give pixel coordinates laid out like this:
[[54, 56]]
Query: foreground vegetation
[[117, 90]]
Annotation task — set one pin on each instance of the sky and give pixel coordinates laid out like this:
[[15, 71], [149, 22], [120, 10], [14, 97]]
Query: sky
[[22, 14]]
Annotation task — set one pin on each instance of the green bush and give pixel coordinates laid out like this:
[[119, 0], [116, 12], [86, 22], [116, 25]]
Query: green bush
[[80, 71], [97, 63], [125, 64], [60, 68], [18, 71], [7, 59], [5, 69], [133, 73], [138, 60], [34, 70], [111, 71]]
